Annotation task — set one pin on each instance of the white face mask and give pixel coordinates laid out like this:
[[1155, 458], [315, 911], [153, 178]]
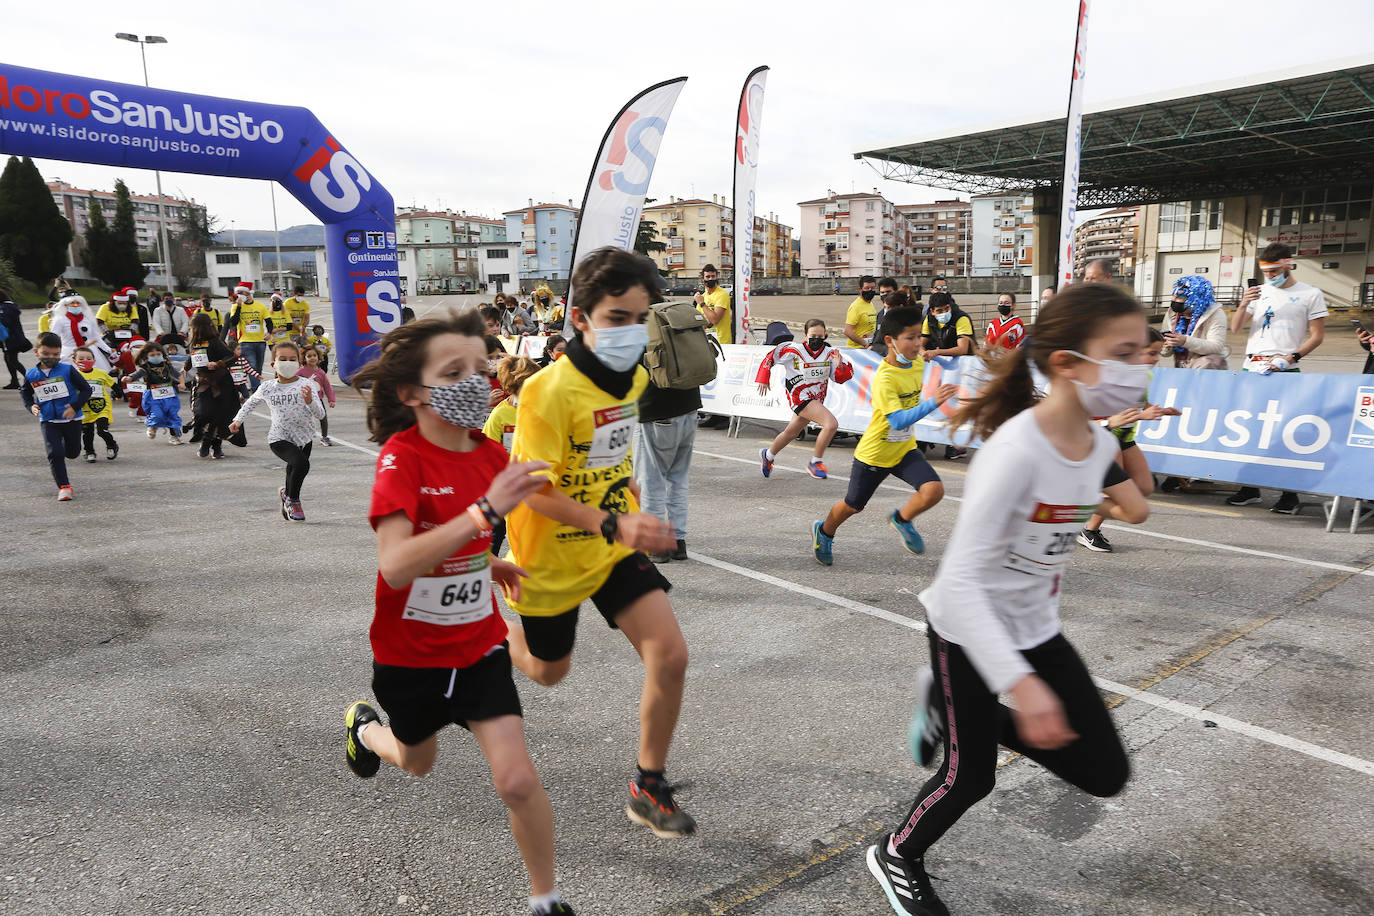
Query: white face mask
[[1120, 386], [286, 368]]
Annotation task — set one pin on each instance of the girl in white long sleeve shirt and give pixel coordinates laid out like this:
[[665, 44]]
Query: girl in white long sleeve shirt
[[297, 407], [993, 606]]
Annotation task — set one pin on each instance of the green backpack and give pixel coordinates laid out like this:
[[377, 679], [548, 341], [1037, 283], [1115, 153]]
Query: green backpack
[[680, 354]]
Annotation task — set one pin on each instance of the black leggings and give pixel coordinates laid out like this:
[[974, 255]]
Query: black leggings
[[13, 364], [297, 464], [975, 723], [324, 426], [102, 426], [62, 441]]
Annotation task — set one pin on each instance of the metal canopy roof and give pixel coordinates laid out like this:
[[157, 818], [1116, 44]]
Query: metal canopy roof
[[1287, 129]]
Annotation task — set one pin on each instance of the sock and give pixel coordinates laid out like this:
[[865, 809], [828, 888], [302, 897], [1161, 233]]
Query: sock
[[647, 776], [544, 903], [892, 848], [768, 453], [362, 729]]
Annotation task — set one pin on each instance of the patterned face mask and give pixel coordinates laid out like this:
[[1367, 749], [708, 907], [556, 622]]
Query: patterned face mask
[[463, 403]]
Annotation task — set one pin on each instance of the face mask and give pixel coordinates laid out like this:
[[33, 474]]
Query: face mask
[[155, 360], [901, 360], [463, 403], [867, 295], [815, 344], [619, 349], [48, 362], [942, 317], [710, 283], [1119, 386], [286, 368], [1004, 310], [1277, 281], [492, 365], [85, 365], [1178, 306]]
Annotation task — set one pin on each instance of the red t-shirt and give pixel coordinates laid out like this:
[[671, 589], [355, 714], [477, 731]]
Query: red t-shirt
[[447, 618]]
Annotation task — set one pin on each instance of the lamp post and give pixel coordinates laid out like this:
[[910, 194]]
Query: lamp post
[[161, 208]]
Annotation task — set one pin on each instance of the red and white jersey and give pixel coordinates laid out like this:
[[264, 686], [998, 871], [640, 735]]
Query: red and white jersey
[[1009, 333], [806, 375]]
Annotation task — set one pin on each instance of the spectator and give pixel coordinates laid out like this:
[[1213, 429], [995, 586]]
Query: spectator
[[947, 330], [1098, 271], [861, 319], [941, 285], [667, 431], [1198, 335], [887, 288], [1006, 330], [714, 305], [1364, 337], [491, 316], [1291, 324], [169, 323], [515, 320], [15, 341], [1046, 295]]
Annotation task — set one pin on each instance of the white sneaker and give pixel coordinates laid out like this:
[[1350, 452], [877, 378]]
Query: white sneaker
[[152, 432], [174, 439]]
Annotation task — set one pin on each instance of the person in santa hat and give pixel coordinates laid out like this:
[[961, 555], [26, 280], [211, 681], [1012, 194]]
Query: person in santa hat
[[250, 324], [121, 318], [74, 322]]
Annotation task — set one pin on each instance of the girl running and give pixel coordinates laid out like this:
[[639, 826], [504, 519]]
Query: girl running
[[296, 404], [160, 381], [312, 370], [993, 606], [216, 400], [807, 371], [438, 642]]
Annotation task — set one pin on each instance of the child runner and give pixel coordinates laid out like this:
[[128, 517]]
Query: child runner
[[216, 399], [161, 404], [54, 392], [500, 426], [807, 371], [296, 405], [495, 353], [582, 536], [312, 370], [240, 372], [993, 606], [888, 447], [98, 410], [124, 365], [320, 341], [437, 639]]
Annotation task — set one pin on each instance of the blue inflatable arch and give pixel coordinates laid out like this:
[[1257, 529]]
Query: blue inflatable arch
[[59, 116]]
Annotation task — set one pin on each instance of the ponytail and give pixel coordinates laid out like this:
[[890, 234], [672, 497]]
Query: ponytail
[[1009, 389]]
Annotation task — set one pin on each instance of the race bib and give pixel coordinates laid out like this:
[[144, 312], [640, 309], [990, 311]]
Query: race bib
[[507, 436], [614, 429], [135, 387], [900, 435], [50, 390], [97, 391], [253, 327], [239, 376], [123, 334], [816, 372], [1042, 543], [200, 359], [460, 593], [163, 392]]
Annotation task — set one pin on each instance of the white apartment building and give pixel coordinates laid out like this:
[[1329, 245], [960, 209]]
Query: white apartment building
[[1004, 235], [849, 235]]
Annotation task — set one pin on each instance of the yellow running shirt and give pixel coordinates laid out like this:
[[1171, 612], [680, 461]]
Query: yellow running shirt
[[252, 321], [864, 317], [100, 404], [299, 310], [116, 321], [500, 426], [893, 389], [584, 434], [719, 299]]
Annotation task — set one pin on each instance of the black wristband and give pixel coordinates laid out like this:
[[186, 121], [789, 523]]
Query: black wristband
[[1296, 356], [609, 525], [491, 515]]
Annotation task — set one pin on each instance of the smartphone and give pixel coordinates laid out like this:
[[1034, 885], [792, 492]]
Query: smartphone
[[1252, 281]]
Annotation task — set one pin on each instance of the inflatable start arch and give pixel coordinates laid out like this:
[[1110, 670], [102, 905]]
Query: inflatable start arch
[[59, 116]]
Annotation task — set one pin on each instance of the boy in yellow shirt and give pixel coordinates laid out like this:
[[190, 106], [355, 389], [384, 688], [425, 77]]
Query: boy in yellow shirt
[[583, 536], [99, 409], [888, 446]]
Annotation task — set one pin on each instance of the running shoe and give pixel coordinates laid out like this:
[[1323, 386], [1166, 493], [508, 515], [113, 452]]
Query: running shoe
[[905, 882], [111, 452], [910, 537], [1288, 504], [152, 432], [216, 450], [680, 551], [297, 514], [174, 439], [954, 454], [653, 806], [1245, 496], [204, 450], [821, 544], [559, 909], [325, 440], [64, 494], [285, 504], [361, 760], [816, 469], [660, 558], [767, 465], [1095, 540], [133, 411], [927, 729], [1171, 485], [90, 457]]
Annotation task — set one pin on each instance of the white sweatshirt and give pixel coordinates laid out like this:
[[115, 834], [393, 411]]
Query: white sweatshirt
[[997, 590], [292, 419]]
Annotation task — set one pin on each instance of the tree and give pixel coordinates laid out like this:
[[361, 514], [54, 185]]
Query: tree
[[646, 239], [98, 242], [126, 267], [188, 244], [34, 234]]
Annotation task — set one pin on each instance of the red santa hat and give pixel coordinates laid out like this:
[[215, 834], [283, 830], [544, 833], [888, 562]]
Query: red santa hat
[[121, 296], [244, 288]]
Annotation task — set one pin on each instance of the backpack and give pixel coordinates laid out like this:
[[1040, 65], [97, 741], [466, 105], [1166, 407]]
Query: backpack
[[680, 355]]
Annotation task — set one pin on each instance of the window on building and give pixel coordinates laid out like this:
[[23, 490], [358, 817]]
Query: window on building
[[868, 224], [497, 253], [701, 259], [553, 262], [868, 256], [226, 259], [701, 227], [400, 256], [701, 211], [869, 206], [701, 244]]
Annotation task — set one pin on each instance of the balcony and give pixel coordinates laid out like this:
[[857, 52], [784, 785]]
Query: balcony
[[675, 243]]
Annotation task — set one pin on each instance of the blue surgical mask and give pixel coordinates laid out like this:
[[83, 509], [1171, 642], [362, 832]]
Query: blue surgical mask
[[1277, 281], [620, 348], [155, 360], [942, 317], [901, 360]]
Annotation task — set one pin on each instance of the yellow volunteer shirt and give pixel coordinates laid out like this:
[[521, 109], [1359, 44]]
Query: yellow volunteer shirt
[[99, 405], [864, 317], [584, 434], [725, 328], [893, 388], [299, 310], [45, 322], [252, 321], [500, 426], [212, 312], [115, 321], [281, 321]]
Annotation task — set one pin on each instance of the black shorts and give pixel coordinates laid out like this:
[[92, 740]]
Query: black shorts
[[864, 478], [551, 638], [420, 701], [798, 408], [1115, 475]]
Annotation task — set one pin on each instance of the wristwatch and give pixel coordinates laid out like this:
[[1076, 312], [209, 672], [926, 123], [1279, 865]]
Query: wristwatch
[[1294, 357], [609, 525]]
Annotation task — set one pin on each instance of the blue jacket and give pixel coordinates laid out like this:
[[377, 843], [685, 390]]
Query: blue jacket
[[78, 391]]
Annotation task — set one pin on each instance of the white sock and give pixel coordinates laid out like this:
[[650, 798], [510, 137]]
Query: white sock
[[544, 902], [892, 848], [768, 453], [362, 734]]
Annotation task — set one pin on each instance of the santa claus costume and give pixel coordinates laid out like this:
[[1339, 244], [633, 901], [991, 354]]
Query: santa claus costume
[[73, 320], [128, 352]]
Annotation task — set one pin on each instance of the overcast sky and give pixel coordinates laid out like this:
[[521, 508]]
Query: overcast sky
[[458, 105]]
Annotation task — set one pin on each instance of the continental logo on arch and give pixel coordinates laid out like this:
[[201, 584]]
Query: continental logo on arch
[[106, 107]]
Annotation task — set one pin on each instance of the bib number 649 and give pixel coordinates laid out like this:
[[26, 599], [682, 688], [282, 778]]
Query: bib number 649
[[465, 592]]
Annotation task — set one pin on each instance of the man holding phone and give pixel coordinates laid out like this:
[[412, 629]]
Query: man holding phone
[[1287, 322]]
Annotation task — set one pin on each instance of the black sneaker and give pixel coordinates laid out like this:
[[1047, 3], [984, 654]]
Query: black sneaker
[[653, 806], [1094, 540], [1171, 485], [559, 909], [204, 451], [111, 452], [216, 450], [1245, 496], [905, 882], [680, 551], [1288, 504], [361, 760]]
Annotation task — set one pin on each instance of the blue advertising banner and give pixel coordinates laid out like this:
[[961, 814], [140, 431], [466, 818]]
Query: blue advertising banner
[[1292, 430], [60, 116]]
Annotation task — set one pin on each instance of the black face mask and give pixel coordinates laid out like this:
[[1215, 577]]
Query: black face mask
[[710, 284], [1178, 307], [48, 362], [1004, 309], [867, 295], [815, 344]]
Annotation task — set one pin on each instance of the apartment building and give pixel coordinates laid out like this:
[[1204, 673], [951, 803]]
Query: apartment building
[[1110, 235], [149, 214], [1003, 231], [700, 232], [849, 235], [546, 233], [935, 239], [446, 243]]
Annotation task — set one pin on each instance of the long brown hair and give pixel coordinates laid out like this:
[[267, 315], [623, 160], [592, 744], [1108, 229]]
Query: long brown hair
[[401, 361], [1067, 322], [202, 329]]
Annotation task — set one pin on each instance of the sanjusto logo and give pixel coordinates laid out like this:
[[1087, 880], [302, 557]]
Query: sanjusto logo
[[106, 107], [625, 142]]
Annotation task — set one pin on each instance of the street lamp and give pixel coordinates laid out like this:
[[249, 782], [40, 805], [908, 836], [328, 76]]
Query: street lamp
[[161, 208]]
